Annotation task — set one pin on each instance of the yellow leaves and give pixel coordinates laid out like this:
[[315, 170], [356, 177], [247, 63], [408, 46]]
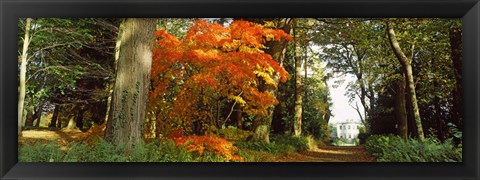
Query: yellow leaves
[[237, 99], [269, 24], [266, 74]]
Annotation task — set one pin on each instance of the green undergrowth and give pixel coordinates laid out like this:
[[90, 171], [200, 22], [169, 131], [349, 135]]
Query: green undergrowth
[[257, 151], [164, 150], [395, 149], [102, 151]]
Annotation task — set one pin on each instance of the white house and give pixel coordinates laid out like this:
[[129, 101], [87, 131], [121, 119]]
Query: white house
[[348, 130]]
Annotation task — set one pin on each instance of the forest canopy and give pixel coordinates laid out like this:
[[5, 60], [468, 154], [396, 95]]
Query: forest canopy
[[230, 89]]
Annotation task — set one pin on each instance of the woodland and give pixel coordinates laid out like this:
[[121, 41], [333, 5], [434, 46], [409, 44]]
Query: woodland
[[237, 89]]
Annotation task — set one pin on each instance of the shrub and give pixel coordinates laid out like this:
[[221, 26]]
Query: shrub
[[300, 143], [260, 146], [208, 145], [395, 149], [234, 134]]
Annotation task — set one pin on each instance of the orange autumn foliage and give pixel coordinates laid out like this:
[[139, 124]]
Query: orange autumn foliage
[[212, 63], [220, 146]]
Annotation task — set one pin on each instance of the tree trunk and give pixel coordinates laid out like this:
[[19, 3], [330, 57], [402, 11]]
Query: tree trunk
[[407, 65], [39, 117], [297, 124], [237, 116], [38, 114], [29, 119], [400, 109], [79, 118], [59, 123], [23, 72], [130, 92], [71, 123], [455, 35], [56, 111], [277, 50]]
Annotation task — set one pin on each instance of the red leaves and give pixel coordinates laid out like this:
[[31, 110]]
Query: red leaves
[[211, 63], [220, 146]]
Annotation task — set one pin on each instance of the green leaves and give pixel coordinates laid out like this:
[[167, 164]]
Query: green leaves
[[395, 149]]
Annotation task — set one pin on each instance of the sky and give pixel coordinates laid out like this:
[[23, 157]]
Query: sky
[[341, 109]]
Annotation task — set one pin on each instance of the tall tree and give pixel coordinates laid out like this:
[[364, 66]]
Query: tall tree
[[23, 72], [400, 108], [297, 124], [347, 49], [407, 66], [132, 82], [277, 50], [213, 63]]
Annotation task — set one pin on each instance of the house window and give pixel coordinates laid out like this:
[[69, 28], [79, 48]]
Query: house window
[[340, 127], [348, 126], [349, 136]]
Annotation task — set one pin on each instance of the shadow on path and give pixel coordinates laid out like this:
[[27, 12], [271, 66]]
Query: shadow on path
[[330, 154]]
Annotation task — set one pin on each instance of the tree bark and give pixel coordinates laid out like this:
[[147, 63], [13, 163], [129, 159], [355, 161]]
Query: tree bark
[[277, 50], [23, 72], [29, 119], [400, 108], [237, 116], [455, 35], [38, 114], [130, 93], [406, 63], [79, 118], [56, 111], [297, 124]]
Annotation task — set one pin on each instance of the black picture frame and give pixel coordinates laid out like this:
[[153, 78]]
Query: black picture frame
[[11, 10]]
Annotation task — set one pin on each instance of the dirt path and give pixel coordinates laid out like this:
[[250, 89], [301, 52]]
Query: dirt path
[[330, 154], [46, 135]]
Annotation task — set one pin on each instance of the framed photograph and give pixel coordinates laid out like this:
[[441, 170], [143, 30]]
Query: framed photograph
[[225, 89]]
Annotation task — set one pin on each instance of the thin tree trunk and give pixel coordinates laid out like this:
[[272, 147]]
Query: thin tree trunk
[[39, 117], [297, 124], [130, 93], [238, 116], [358, 112], [406, 63], [400, 109], [23, 72]]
